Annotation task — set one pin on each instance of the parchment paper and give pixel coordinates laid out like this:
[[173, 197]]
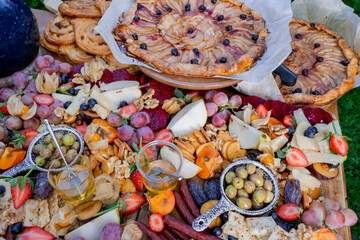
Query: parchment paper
[[276, 13]]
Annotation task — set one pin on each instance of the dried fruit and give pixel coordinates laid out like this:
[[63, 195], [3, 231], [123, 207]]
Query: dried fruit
[[162, 203], [292, 191], [212, 189], [197, 193]]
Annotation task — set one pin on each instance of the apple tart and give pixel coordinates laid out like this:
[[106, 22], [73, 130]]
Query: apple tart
[[324, 63], [194, 37]]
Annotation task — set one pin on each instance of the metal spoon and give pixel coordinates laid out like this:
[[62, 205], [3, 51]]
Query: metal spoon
[[158, 170], [72, 175]]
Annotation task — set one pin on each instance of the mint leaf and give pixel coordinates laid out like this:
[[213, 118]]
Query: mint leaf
[[179, 93], [132, 167]]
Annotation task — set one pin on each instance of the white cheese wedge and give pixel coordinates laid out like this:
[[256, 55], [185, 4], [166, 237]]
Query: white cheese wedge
[[236, 226], [31, 208], [102, 99], [314, 157], [261, 227], [301, 169], [278, 143], [300, 117], [305, 179], [102, 112], [301, 127], [75, 105], [324, 146], [307, 144]]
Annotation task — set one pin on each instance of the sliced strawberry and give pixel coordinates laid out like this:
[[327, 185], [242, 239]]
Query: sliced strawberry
[[82, 129], [261, 111], [288, 211], [131, 202], [136, 178], [20, 196], [4, 109], [34, 232], [296, 158], [288, 121], [192, 94], [165, 135], [65, 87], [156, 222], [339, 144], [29, 136], [43, 99], [127, 111]]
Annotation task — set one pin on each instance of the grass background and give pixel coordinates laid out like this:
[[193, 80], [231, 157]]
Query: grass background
[[349, 113]]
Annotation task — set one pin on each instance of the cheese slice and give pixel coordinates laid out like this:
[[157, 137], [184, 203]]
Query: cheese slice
[[261, 227], [31, 208], [314, 157], [236, 226], [305, 143]]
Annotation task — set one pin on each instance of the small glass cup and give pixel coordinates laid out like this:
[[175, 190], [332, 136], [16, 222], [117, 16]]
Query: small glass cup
[[159, 154], [78, 190]]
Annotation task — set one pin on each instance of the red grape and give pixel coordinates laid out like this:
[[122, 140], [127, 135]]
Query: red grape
[[56, 65], [114, 120], [319, 208], [330, 204], [125, 132], [77, 238], [5, 93], [310, 217], [146, 134], [350, 216], [218, 119], [227, 114], [53, 119], [220, 99], [133, 139], [13, 123], [20, 80], [43, 62], [27, 98], [56, 104], [50, 58], [43, 111], [111, 231], [211, 108], [65, 68], [32, 123], [2, 133], [335, 219], [209, 95], [49, 71], [235, 101], [31, 87], [140, 119]]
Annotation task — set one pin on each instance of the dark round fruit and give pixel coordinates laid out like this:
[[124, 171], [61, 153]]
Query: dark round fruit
[[191, 30], [333, 165], [16, 228], [220, 17], [64, 78], [312, 24], [255, 37], [232, 238], [297, 90], [224, 217], [2, 190], [298, 36], [174, 52], [169, 9], [305, 72], [123, 104], [143, 46], [319, 59], [214, 1], [217, 231], [345, 62], [187, 7], [243, 16], [229, 28], [316, 92], [194, 61], [226, 42], [223, 60], [84, 106], [136, 18], [92, 102], [196, 51], [139, 6], [42, 189], [158, 12], [67, 104], [202, 7], [135, 36], [291, 130], [316, 45], [310, 132], [72, 91], [76, 92], [252, 154]]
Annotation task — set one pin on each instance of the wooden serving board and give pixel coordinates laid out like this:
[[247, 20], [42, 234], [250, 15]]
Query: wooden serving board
[[335, 188]]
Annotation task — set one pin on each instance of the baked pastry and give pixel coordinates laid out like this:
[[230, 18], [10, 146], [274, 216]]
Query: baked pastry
[[324, 63], [79, 8], [75, 54], [87, 38], [194, 37], [46, 44], [59, 31], [103, 5]]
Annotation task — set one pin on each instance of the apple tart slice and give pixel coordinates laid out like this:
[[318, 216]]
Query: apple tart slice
[[194, 37]]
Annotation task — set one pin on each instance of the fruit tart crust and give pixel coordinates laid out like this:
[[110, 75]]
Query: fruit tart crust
[[188, 69], [346, 83]]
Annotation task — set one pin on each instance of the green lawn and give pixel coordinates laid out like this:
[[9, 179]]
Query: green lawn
[[349, 112]]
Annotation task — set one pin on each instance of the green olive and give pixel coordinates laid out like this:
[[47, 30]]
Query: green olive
[[255, 178], [259, 172], [70, 156], [68, 139], [250, 168], [57, 153], [229, 177], [241, 172], [238, 183], [59, 136], [39, 158], [37, 148], [249, 187], [269, 197], [48, 139], [45, 152], [259, 195], [268, 186], [76, 145], [257, 205], [55, 163], [244, 203], [242, 193], [51, 146], [230, 191]]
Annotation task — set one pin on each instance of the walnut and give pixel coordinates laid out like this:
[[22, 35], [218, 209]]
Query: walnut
[[279, 129], [173, 105], [92, 70], [219, 143], [211, 131], [304, 232], [151, 103], [148, 94], [46, 83], [146, 101], [78, 79], [130, 158], [122, 169], [139, 103]]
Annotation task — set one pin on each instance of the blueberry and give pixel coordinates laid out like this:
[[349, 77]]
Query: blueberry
[[92, 102], [139, 6], [136, 18], [217, 231], [2, 190], [64, 78], [316, 92], [345, 62], [243, 16], [123, 104], [297, 90], [305, 72], [226, 42], [194, 61], [298, 36], [291, 130], [253, 154], [202, 7], [72, 91], [76, 91], [223, 60], [174, 52], [255, 37], [213, 1], [312, 24], [333, 165], [191, 30], [187, 7], [220, 17], [310, 132], [224, 217], [196, 51], [229, 28], [16, 228], [67, 104], [274, 215], [84, 106], [232, 238], [319, 59], [135, 36], [169, 9], [143, 46], [316, 45], [158, 12]]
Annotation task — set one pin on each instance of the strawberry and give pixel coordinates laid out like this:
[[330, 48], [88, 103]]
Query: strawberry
[[136, 178], [296, 158], [65, 87], [289, 121], [165, 135], [20, 196], [82, 129], [158, 118], [29, 136], [156, 222], [192, 94], [261, 111], [34, 232], [131, 202], [128, 110], [288, 211], [43, 99], [339, 144], [4, 109]]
